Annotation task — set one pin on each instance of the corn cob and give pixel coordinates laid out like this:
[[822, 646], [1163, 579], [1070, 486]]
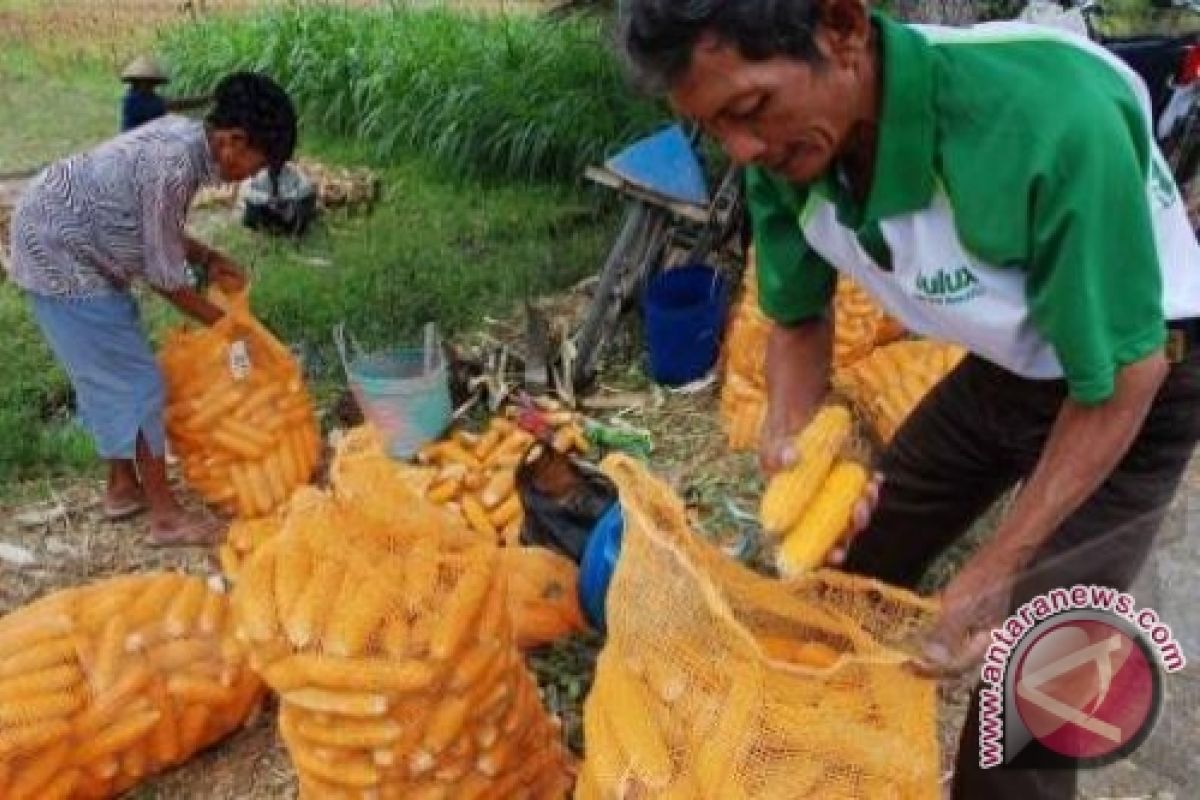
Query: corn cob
[[790, 491], [824, 521]]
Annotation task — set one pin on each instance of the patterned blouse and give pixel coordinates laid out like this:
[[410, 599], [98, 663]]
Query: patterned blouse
[[90, 224]]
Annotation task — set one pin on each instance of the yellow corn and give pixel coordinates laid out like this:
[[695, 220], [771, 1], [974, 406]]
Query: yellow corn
[[184, 611], [790, 491], [306, 622], [39, 771], [29, 738], [366, 597], [348, 704], [824, 521], [501, 485], [390, 676], [635, 731], [117, 737]]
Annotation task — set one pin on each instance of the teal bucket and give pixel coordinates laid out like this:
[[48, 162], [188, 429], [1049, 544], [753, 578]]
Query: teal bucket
[[404, 392]]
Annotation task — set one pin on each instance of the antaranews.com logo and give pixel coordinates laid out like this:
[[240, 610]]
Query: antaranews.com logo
[[1073, 678]]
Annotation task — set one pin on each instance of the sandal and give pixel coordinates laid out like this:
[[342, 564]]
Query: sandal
[[200, 532], [123, 510]]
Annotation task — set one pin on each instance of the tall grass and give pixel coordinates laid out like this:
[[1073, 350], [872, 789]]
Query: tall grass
[[496, 96]]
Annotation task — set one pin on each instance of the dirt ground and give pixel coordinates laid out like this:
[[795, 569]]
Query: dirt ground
[[76, 546]]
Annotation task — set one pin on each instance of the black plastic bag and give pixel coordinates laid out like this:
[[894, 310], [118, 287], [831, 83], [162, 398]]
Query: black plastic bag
[[563, 498]]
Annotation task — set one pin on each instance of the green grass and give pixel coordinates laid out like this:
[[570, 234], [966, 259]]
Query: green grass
[[499, 96], [52, 106], [438, 246], [435, 248]]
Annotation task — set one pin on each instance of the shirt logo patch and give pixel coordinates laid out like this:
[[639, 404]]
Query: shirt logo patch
[[1162, 184], [948, 287]]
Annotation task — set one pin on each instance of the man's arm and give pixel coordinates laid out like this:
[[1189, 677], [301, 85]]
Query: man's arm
[[798, 360], [1065, 476], [1066, 473]]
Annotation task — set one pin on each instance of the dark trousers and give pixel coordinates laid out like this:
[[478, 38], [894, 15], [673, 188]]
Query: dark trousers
[[975, 436]]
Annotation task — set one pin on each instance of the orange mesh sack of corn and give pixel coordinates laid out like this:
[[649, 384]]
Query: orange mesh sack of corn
[[859, 324], [719, 683], [392, 649], [542, 586], [106, 684], [888, 384], [238, 415], [744, 352], [243, 538]]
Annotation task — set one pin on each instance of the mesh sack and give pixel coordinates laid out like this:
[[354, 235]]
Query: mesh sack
[[743, 404], [859, 324], [543, 595], [887, 385], [238, 415], [716, 682], [391, 646], [243, 538], [103, 685]]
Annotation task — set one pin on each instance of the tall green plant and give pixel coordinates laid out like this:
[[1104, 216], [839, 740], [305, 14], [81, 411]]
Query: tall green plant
[[492, 96]]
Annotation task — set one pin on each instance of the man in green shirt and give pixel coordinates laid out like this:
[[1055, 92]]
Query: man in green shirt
[[998, 187]]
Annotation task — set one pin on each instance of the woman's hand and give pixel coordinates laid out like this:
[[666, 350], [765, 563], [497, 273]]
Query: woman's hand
[[226, 274]]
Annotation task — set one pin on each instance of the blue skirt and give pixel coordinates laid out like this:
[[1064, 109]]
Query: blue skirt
[[118, 387]]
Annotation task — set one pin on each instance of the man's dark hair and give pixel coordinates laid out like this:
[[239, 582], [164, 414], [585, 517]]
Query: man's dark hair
[[254, 103], [658, 37]]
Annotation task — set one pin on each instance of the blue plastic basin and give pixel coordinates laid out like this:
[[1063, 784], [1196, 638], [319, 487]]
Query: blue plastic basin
[[596, 568]]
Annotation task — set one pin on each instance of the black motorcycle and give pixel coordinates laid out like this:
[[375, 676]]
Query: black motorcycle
[[1170, 66]]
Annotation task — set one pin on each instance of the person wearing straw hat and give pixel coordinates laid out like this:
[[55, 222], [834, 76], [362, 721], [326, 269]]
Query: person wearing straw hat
[[142, 103], [91, 225]]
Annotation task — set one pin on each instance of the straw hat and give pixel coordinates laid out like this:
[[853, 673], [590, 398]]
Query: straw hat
[[145, 68]]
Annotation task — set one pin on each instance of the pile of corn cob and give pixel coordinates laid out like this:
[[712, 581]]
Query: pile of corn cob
[[888, 384], [105, 684], [475, 475], [393, 652]]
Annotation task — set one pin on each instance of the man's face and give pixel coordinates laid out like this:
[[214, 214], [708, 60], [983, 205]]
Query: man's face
[[783, 114]]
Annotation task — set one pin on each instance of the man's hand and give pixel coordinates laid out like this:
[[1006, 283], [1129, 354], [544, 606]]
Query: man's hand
[[1065, 476], [860, 518], [777, 445], [797, 370], [973, 603]]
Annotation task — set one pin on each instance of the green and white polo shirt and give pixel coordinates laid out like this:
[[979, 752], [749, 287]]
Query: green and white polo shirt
[[1019, 207]]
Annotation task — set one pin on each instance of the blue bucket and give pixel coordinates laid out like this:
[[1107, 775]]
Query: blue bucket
[[404, 392], [684, 310], [597, 565]]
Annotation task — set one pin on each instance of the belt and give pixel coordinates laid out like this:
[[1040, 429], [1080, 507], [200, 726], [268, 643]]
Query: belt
[[1183, 337]]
